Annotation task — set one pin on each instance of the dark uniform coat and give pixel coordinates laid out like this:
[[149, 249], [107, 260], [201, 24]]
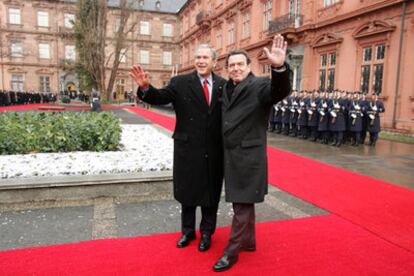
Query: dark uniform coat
[[355, 124], [374, 125], [244, 134], [198, 151], [313, 119], [323, 106], [338, 123]]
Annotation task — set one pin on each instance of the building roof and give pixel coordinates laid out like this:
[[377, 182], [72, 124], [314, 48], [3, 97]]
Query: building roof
[[167, 6]]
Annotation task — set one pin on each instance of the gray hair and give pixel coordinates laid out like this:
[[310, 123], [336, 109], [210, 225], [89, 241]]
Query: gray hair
[[207, 46]]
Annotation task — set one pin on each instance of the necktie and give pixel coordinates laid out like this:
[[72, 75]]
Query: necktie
[[206, 93]]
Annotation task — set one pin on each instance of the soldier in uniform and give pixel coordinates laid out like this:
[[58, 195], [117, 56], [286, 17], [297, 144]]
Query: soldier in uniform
[[278, 117], [355, 119], [374, 108], [302, 121], [285, 115], [293, 108], [363, 103], [323, 122], [337, 120], [313, 117]]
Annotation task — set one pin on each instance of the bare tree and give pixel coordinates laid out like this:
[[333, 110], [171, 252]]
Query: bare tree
[[92, 41]]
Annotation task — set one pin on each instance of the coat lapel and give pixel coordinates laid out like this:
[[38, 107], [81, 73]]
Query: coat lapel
[[197, 89], [216, 93], [240, 88]]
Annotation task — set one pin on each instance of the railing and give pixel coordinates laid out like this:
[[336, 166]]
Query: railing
[[285, 22], [201, 16]]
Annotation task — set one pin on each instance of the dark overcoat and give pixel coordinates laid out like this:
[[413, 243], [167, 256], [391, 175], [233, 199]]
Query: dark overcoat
[[323, 106], [303, 116], [338, 123], [355, 124], [313, 119], [374, 126], [244, 135], [198, 151]]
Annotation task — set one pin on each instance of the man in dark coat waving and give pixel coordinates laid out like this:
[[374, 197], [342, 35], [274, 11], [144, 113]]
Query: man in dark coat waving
[[198, 151], [245, 110]]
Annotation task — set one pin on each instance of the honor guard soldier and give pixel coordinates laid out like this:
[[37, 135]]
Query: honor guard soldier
[[302, 121], [293, 108], [323, 121], [337, 119], [313, 118], [355, 119], [278, 117], [363, 103], [374, 108], [285, 115]]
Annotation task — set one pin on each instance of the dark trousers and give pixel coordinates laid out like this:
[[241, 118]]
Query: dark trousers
[[373, 137], [208, 219], [242, 234]]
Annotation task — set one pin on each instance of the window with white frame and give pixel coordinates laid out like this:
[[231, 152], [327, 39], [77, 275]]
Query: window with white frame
[[70, 52], [267, 14], [69, 19], [219, 39], [327, 71], [44, 84], [372, 68], [144, 27], [14, 16], [16, 49], [230, 34], [167, 30], [246, 25], [44, 50], [16, 83], [42, 19], [327, 3], [144, 57], [117, 24], [122, 55], [167, 58]]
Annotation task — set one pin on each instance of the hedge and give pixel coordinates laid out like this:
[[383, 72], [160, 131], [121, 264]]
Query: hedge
[[22, 133]]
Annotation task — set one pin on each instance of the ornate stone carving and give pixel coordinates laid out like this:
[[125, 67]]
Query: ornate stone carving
[[373, 28]]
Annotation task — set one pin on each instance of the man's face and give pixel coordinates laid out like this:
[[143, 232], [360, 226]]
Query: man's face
[[204, 62], [238, 68]]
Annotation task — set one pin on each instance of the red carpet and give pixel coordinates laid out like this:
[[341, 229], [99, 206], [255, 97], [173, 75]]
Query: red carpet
[[325, 245], [370, 233], [28, 107], [385, 209], [159, 119], [20, 107]]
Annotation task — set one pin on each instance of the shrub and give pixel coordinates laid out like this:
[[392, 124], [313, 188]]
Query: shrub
[[22, 133]]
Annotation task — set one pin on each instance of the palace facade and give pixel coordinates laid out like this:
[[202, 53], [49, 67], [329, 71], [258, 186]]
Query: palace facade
[[358, 45], [37, 43]]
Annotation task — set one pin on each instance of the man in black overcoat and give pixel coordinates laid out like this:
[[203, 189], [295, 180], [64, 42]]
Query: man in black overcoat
[[198, 150], [245, 111]]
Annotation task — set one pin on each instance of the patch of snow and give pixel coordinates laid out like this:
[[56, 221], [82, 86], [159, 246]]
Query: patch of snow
[[143, 148]]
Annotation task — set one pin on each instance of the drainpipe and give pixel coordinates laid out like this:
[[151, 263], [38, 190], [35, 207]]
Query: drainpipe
[[397, 82]]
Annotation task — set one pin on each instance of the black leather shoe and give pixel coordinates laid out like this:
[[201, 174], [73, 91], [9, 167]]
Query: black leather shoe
[[225, 263], [205, 243], [185, 240]]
